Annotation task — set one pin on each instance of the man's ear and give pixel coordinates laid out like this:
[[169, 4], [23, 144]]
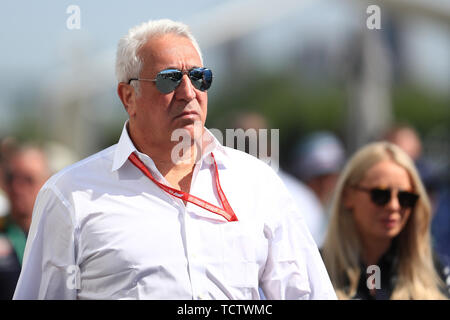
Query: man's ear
[[127, 95]]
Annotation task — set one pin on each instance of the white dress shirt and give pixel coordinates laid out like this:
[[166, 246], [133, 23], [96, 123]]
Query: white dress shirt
[[103, 230], [309, 206]]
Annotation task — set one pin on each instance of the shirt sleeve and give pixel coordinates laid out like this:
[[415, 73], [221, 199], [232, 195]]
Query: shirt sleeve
[[49, 270], [294, 268]]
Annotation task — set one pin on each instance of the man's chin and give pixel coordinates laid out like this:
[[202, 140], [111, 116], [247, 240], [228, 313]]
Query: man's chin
[[187, 128]]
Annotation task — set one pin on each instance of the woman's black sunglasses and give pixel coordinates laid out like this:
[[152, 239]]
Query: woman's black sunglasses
[[168, 80], [382, 196]]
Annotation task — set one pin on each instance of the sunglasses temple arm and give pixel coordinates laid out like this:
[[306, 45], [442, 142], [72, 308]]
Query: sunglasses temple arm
[[142, 79]]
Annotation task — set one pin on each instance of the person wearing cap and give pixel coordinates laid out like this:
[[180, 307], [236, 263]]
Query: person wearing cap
[[318, 159], [168, 212]]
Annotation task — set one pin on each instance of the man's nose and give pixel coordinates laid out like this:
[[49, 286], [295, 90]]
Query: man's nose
[[185, 90]]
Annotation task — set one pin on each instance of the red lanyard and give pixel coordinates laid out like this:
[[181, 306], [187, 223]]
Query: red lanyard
[[226, 212]]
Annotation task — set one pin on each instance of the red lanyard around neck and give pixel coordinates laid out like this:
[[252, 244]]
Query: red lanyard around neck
[[227, 212]]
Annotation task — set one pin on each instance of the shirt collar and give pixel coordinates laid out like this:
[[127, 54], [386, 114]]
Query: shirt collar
[[211, 144], [125, 147]]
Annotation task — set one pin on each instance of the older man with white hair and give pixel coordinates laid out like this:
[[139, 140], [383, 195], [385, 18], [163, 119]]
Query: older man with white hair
[[140, 221]]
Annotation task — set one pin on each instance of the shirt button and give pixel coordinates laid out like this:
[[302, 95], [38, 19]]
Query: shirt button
[[202, 296]]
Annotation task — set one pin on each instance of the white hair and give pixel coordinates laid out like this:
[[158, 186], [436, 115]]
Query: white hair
[[128, 63]]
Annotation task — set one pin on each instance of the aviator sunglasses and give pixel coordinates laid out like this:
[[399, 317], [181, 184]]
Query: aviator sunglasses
[[168, 80], [381, 196]]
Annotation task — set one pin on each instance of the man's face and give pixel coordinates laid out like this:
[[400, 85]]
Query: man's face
[[156, 115], [26, 173]]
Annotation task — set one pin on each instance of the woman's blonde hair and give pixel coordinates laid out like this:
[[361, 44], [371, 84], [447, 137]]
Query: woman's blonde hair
[[417, 277]]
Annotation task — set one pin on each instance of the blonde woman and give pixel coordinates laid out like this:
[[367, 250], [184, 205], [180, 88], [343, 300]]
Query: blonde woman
[[378, 241]]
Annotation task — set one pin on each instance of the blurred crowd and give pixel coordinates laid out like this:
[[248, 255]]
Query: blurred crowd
[[414, 262], [319, 168]]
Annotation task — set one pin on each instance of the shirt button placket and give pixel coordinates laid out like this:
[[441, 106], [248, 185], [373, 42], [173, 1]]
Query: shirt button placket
[[194, 257], [187, 245]]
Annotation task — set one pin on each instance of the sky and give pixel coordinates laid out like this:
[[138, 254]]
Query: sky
[[37, 44], [36, 32], [35, 37]]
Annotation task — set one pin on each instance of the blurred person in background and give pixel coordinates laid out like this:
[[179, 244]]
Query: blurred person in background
[[9, 264], [317, 160], [381, 218], [6, 146], [4, 203], [26, 166], [436, 181], [123, 224], [408, 139], [25, 169], [310, 207]]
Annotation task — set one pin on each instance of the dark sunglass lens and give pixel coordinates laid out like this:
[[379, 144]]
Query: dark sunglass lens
[[201, 78], [172, 74], [168, 80], [407, 199], [380, 196]]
